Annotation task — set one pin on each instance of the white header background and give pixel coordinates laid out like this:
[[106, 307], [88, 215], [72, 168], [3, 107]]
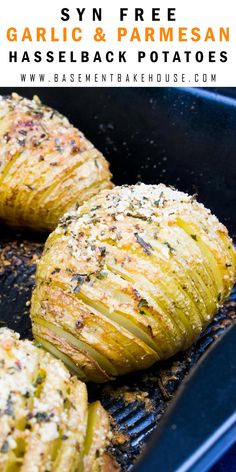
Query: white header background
[[202, 14]]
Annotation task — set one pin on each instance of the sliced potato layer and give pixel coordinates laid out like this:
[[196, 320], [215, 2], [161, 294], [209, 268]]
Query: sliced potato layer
[[45, 421], [131, 277], [46, 165]]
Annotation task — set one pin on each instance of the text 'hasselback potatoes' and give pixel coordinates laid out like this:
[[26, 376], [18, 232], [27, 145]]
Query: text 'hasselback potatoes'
[[47, 166], [45, 421], [131, 277]]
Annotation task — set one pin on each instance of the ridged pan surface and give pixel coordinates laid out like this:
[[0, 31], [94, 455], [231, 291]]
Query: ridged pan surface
[[141, 148]]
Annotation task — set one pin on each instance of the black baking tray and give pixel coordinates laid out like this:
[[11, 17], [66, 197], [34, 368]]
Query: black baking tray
[[182, 137]]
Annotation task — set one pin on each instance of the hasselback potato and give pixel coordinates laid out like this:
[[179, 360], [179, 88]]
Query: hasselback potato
[[45, 421], [46, 165], [131, 277]]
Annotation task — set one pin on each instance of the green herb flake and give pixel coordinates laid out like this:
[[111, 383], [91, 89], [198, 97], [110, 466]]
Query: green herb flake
[[171, 249], [39, 380], [9, 407], [27, 394], [80, 279], [101, 275], [142, 304], [146, 246], [157, 202], [5, 447], [42, 416]]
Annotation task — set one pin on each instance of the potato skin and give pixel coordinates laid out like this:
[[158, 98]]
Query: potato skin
[[44, 420], [134, 274], [47, 166]]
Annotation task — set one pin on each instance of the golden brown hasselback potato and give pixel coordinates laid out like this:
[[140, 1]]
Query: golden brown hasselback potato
[[45, 421], [131, 277], [46, 165]]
